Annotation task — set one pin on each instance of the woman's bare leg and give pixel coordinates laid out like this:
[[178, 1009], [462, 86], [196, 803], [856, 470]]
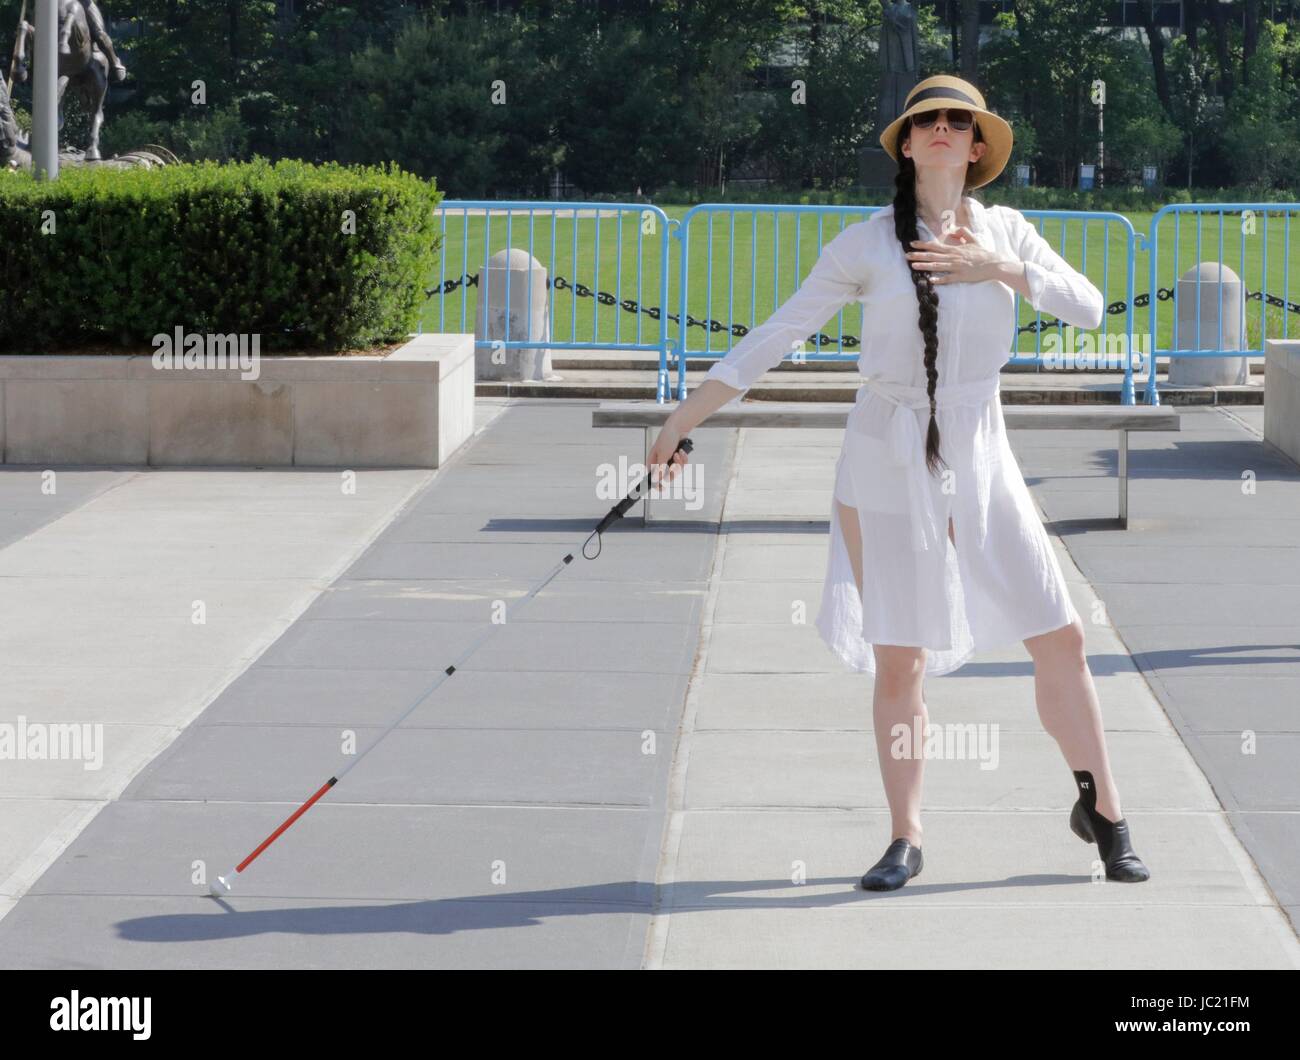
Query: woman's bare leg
[[896, 701], [1068, 707]]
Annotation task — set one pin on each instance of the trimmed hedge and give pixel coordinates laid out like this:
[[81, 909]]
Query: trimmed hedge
[[247, 248]]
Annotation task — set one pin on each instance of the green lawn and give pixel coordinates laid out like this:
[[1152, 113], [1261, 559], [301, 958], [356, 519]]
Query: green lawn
[[757, 256]]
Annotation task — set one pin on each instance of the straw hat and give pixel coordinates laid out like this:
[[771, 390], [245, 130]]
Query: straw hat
[[943, 90]]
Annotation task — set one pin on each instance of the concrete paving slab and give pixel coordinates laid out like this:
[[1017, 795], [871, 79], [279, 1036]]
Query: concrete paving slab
[[96, 932], [840, 701], [103, 694], [106, 756], [1216, 649], [31, 498], [626, 647], [811, 856], [1211, 702], [420, 766], [88, 557], [410, 560], [840, 769], [502, 527], [483, 699], [1190, 605], [412, 853], [876, 935], [32, 833], [1259, 773], [423, 600], [1248, 566], [1274, 840]]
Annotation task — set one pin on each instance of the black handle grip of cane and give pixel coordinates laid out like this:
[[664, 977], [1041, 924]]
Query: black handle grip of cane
[[684, 446], [620, 509]]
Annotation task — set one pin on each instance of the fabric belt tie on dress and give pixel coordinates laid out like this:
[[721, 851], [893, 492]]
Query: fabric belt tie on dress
[[906, 443]]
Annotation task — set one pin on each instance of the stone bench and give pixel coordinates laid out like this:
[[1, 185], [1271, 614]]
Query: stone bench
[[650, 415]]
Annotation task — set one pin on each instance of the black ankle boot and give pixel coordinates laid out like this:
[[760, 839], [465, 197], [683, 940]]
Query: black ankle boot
[[1111, 837], [900, 863]]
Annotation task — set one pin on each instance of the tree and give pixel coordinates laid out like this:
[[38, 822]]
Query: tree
[[811, 132], [970, 40], [1056, 50], [1195, 109], [1138, 131], [1262, 134], [1156, 46], [427, 101]]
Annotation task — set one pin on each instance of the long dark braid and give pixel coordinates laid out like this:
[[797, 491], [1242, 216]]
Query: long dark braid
[[926, 296]]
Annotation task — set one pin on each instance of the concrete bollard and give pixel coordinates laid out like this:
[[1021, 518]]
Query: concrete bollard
[[1210, 371], [523, 318]]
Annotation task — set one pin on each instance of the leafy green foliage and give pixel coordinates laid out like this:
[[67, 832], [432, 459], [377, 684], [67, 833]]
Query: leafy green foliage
[[246, 248], [1263, 134]]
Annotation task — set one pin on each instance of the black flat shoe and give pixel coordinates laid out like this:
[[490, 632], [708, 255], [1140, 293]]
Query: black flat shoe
[[900, 863], [1112, 837]]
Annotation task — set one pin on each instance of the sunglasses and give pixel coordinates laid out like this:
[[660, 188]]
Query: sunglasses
[[960, 120]]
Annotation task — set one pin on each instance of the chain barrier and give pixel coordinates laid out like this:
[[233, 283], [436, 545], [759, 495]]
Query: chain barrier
[[738, 331]]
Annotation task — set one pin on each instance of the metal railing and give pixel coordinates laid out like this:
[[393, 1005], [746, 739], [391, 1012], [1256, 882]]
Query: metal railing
[[714, 269], [704, 216], [798, 214], [1110, 350], [566, 221], [1247, 221]]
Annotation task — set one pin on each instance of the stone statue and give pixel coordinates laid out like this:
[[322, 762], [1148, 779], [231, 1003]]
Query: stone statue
[[85, 56], [899, 56], [14, 151]]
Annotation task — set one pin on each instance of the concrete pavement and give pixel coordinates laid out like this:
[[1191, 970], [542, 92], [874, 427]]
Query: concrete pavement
[[656, 763], [130, 599], [777, 801]]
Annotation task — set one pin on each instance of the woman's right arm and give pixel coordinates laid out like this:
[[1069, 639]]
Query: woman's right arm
[[836, 278]]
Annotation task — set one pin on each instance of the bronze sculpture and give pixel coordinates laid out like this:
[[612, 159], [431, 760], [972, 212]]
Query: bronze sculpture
[[85, 56], [14, 152], [899, 57]]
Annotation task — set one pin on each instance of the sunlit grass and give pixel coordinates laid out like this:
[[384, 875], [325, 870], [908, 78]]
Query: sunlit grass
[[745, 262]]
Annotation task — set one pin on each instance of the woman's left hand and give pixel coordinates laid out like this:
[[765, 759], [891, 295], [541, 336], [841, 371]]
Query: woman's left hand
[[962, 261]]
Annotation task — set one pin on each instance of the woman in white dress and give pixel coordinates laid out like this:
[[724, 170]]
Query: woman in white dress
[[898, 601]]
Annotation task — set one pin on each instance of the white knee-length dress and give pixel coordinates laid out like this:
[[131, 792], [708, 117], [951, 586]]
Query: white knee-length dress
[[1001, 583]]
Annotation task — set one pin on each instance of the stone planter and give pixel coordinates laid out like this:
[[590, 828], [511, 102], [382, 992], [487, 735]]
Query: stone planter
[[1282, 396], [410, 408]]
